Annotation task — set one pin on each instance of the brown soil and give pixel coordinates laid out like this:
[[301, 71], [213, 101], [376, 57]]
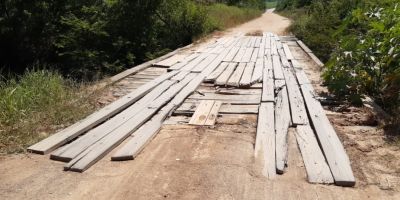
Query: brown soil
[[185, 162]]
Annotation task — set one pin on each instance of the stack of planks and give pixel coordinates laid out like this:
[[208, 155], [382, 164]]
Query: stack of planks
[[222, 76]]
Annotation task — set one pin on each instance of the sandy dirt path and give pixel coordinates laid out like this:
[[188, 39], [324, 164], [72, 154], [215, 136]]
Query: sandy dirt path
[[185, 162]]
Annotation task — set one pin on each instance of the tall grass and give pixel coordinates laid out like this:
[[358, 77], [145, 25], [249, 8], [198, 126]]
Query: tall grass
[[35, 105], [222, 16]]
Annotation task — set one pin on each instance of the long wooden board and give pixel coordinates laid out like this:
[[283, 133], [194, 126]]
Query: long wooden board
[[91, 155], [188, 108], [333, 149], [217, 72], [258, 70], [49, 144], [314, 161], [282, 122], [224, 77], [212, 116], [268, 91], [247, 54], [171, 60], [288, 53], [234, 80], [265, 139], [75, 148], [297, 107], [245, 81]]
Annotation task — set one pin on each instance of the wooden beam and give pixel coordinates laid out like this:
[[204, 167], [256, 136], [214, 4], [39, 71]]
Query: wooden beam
[[49, 144], [314, 161], [282, 122]]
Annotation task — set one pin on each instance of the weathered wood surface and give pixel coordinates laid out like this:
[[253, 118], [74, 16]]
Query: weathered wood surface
[[212, 116], [254, 56], [277, 66], [244, 99], [282, 122], [239, 55], [316, 59], [234, 80], [297, 107], [171, 60], [217, 72], [288, 53], [314, 161], [265, 139], [74, 149], [203, 64], [245, 81], [232, 53], [224, 77], [258, 70], [184, 62], [333, 149], [188, 108], [247, 54], [51, 143], [200, 115], [304, 47], [268, 91]]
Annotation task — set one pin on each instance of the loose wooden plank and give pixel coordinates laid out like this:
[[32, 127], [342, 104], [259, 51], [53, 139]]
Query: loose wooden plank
[[185, 61], [276, 63], [247, 54], [254, 56], [258, 70], [297, 107], [213, 96], [203, 110], [180, 76], [217, 72], [140, 138], [224, 77], [236, 75], [268, 91], [212, 116], [245, 81], [49, 144], [171, 60], [75, 148], [202, 65], [314, 161], [91, 155], [190, 65], [304, 47], [288, 53], [284, 60], [240, 54], [282, 122], [265, 139], [333, 149], [231, 55]]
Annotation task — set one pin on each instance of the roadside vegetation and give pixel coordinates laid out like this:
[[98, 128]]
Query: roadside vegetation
[[49, 48], [359, 42]]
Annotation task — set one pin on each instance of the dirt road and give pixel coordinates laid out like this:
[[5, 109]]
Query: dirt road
[[186, 162]]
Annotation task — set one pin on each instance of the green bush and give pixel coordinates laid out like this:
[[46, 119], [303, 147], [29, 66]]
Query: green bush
[[366, 60]]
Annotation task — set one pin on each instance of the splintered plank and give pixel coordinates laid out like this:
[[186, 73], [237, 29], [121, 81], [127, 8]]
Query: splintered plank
[[236, 75], [314, 161], [284, 60], [245, 81], [171, 60], [297, 107], [276, 63], [282, 122], [200, 115], [75, 148], [265, 139], [91, 155], [212, 116], [49, 144], [288, 53], [223, 78], [268, 91], [232, 53], [249, 99], [247, 54], [240, 54], [333, 149], [217, 72]]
